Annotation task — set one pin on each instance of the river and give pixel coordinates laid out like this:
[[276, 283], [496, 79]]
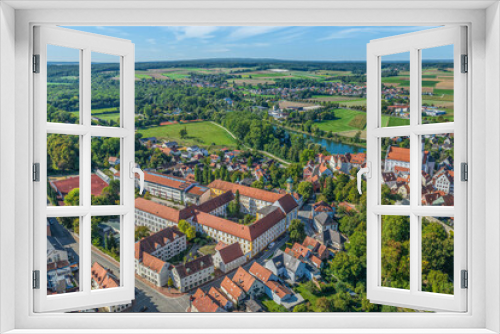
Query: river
[[330, 145]]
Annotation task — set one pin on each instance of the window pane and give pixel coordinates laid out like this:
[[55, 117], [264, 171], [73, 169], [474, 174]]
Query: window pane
[[105, 252], [396, 252], [395, 153], [63, 249], [437, 254], [437, 84], [105, 187], [105, 89], [438, 173], [63, 170], [63, 84], [395, 77]]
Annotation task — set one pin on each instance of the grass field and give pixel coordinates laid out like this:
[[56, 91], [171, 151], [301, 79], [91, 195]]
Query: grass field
[[353, 103], [200, 133], [394, 121], [443, 91], [359, 121], [343, 121], [271, 305], [388, 121], [207, 250]]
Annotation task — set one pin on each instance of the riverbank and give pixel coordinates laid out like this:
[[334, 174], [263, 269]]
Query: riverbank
[[339, 139]]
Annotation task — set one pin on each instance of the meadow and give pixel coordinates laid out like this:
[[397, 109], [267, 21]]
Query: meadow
[[199, 133]]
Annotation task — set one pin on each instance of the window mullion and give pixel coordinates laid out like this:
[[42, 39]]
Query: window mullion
[[414, 168]]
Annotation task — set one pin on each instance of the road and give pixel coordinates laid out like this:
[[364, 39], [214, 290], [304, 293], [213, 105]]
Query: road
[[144, 294], [251, 149]]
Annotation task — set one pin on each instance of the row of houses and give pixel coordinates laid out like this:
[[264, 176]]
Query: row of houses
[[237, 243]]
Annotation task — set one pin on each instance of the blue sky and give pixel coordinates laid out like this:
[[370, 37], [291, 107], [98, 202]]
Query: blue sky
[[279, 42]]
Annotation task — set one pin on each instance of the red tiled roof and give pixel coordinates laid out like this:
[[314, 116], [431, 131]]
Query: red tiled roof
[[260, 272], [311, 243], [192, 267], [218, 296], [247, 232], [243, 279], [401, 169], [103, 277], [399, 154], [216, 202], [156, 209], [358, 158], [287, 203], [322, 251], [230, 253], [205, 304], [65, 186], [231, 288], [299, 250], [278, 289], [197, 191], [316, 261], [166, 181], [152, 262], [255, 193], [161, 238]]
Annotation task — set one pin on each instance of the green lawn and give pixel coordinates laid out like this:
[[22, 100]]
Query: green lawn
[[443, 91], [343, 121], [352, 103], [107, 117], [143, 76], [394, 121], [200, 133], [388, 121], [207, 250], [271, 305]]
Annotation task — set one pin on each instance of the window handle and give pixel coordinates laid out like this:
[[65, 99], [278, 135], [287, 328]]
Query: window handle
[[139, 171], [366, 170]]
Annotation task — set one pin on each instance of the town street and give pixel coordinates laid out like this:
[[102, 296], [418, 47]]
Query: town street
[[146, 296]]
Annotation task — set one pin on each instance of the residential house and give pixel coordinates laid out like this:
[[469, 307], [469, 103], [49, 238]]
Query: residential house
[[228, 257], [103, 278], [191, 274], [152, 253], [323, 221], [286, 266]]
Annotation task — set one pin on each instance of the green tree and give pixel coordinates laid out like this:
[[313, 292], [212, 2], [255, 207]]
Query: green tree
[[297, 231], [141, 232], [72, 198], [183, 133], [305, 189]]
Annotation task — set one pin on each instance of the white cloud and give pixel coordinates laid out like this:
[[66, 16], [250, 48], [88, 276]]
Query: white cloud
[[151, 41], [193, 32], [355, 32], [246, 32]]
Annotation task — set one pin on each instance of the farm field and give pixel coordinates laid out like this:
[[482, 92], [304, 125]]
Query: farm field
[[332, 98], [388, 121], [343, 121], [200, 133], [354, 103]]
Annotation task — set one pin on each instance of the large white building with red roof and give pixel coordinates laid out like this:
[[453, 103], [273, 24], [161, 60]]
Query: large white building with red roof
[[152, 253]]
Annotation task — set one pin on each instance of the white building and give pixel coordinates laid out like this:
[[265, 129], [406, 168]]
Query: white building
[[152, 253], [194, 273]]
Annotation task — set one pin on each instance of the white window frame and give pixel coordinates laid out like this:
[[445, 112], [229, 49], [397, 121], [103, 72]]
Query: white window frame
[[414, 43], [482, 315], [85, 43]]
